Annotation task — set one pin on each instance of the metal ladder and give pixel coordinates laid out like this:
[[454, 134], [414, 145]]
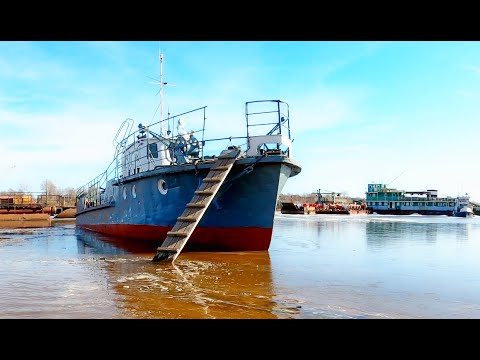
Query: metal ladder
[[196, 208]]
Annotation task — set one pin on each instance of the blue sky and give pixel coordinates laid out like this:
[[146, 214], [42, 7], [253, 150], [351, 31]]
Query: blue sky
[[404, 113]]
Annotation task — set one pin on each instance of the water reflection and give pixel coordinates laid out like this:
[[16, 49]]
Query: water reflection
[[89, 242], [198, 285], [384, 233], [381, 232]]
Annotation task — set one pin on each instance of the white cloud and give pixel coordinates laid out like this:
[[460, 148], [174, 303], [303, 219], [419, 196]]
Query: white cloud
[[61, 147], [473, 68]]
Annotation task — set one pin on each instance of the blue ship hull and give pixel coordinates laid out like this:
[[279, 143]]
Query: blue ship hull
[[240, 217]]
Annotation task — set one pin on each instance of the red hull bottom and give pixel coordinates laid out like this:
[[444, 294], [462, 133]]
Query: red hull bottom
[[202, 239]]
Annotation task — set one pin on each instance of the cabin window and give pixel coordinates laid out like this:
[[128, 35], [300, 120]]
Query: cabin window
[[153, 150]]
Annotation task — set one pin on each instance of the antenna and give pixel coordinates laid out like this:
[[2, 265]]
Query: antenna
[[168, 123], [396, 177], [160, 58], [161, 83]]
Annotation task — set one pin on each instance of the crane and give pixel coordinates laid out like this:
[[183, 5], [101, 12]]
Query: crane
[[333, 194]]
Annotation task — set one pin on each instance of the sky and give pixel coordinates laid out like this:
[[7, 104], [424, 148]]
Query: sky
[[402, 113]]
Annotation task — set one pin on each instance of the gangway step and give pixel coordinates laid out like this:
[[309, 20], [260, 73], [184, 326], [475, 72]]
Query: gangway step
[[212, 179], [187, 218], [204, 192], [197, 205], [176, 233], [167, 250]]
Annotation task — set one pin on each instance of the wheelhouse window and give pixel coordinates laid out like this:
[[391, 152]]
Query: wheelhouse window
[[153, 150]]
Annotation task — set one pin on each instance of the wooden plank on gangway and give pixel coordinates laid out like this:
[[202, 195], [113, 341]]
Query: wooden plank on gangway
[[196, 208]]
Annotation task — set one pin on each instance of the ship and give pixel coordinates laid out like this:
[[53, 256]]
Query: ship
[[165, 178], [327, 203], [292, 208], [463, 207], [299, 209], [381, 199]]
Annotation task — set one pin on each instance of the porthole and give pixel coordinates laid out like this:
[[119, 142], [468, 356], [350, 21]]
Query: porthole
[[134, 192], [125, 193], [162, 186]]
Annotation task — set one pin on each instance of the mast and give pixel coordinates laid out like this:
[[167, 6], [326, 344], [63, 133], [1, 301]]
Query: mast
[[160, 57], [162, 84]]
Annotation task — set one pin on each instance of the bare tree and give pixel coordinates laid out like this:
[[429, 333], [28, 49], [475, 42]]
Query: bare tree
[[69, 194], [49, 187], [23, 188], [51, 193], [69, 191]]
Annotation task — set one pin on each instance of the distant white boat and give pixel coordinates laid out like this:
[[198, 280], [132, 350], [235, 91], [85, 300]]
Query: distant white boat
[[463, 208]]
